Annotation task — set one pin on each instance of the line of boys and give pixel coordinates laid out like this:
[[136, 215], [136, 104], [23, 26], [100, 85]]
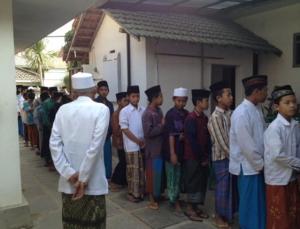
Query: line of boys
[[240, 149]]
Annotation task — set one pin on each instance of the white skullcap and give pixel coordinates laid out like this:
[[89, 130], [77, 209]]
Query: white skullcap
[[82, 80], [180, 92]]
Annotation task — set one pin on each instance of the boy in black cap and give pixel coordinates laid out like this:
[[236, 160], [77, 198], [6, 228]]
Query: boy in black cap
[[133, 137], [246, 152], [282, 162], [196, 155], [118, 179], [103, 91], [153, 125], [219, 126]]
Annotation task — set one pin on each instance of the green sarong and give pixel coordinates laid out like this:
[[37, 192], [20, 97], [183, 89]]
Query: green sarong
[[173, 173]]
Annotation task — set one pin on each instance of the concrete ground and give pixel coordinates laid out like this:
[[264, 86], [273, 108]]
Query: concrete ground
[[40, 189]]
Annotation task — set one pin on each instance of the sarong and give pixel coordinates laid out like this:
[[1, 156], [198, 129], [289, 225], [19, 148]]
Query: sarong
[[45, 153], [225, 190], [195, 181], [119, 174], [173, 173], [283, 206], [33, 135], [108, 158], [20, 126], [89, 212], [154, 169], [135, 174], [252, 201]]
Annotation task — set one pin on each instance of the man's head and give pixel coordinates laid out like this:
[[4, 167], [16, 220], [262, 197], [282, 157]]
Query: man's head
[[31, 96], [133, 94], [83, 84], [200, 99], [122, 99], [221, 94], [285, 101], [44, 96], [154, 95], [180, 97], [256, 88], [102, 88]]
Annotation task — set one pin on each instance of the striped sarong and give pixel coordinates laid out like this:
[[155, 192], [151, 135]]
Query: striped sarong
[[89, 212], [225, 190], [135, 174]]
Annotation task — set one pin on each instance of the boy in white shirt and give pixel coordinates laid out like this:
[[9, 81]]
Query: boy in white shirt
[[130, 121], [282, 161]]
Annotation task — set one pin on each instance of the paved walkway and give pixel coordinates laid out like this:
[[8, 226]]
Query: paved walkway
[[40, 189]]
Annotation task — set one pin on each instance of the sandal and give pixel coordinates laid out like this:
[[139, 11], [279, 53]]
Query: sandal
[[201, 214], [153, 206], [193, 217], [132, 199]]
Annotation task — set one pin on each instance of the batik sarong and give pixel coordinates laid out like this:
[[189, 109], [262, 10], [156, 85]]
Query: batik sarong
[[154, 169], [173, 173], [195, 181], [135, 174], [119, 174], [225, 190], [89, 212], [283, 206], [252, 201]]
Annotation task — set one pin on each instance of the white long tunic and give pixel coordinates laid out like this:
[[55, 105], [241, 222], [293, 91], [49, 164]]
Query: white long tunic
[[282, 151], [246, 139], [76, 144]]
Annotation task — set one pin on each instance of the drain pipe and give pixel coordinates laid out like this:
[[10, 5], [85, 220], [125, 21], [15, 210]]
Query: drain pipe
[[128, 59]]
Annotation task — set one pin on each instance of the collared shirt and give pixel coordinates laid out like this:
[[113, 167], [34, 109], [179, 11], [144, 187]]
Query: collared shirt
[[282, 151], [106, 102], [153, 131], [196, 137], [246, 139], [174, 126], [219, 126], [117, 138], [131, 118], [77, 142], [28, 108]]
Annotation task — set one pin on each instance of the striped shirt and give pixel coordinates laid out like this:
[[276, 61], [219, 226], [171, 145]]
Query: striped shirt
[[218, 126]]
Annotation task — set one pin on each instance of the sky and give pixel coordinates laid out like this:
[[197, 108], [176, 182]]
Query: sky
[[55, 40]]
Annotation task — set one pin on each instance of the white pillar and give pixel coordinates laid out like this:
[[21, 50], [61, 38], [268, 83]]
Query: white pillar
[[10, 180]]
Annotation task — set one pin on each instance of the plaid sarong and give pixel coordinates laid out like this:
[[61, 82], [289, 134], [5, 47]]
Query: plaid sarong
[[225, 191], [135, 174], [89, 212]]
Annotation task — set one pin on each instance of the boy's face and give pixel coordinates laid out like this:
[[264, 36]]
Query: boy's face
[[123, 102], [134, 98], [180, 102], [226, 99], [262, 94], [158, 100], [287, 106], [103, 91], [203, 104]]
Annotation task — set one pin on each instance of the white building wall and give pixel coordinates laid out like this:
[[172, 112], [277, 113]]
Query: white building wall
[[240, 58], [277, 26], [107, 39]]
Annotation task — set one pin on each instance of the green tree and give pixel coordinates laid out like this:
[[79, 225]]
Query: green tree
[[39, 59]]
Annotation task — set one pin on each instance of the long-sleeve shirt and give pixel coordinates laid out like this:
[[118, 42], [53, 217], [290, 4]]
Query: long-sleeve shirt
[[76, 143], [282, 151], [246, 139], [153, 131], [196, 137], [174, 126], [219, 126], [109, 104], [131, 118]]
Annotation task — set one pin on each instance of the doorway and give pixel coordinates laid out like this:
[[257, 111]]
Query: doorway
[[223, 73]]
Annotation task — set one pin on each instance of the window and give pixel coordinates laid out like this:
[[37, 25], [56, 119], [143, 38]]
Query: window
[[296, 50]]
